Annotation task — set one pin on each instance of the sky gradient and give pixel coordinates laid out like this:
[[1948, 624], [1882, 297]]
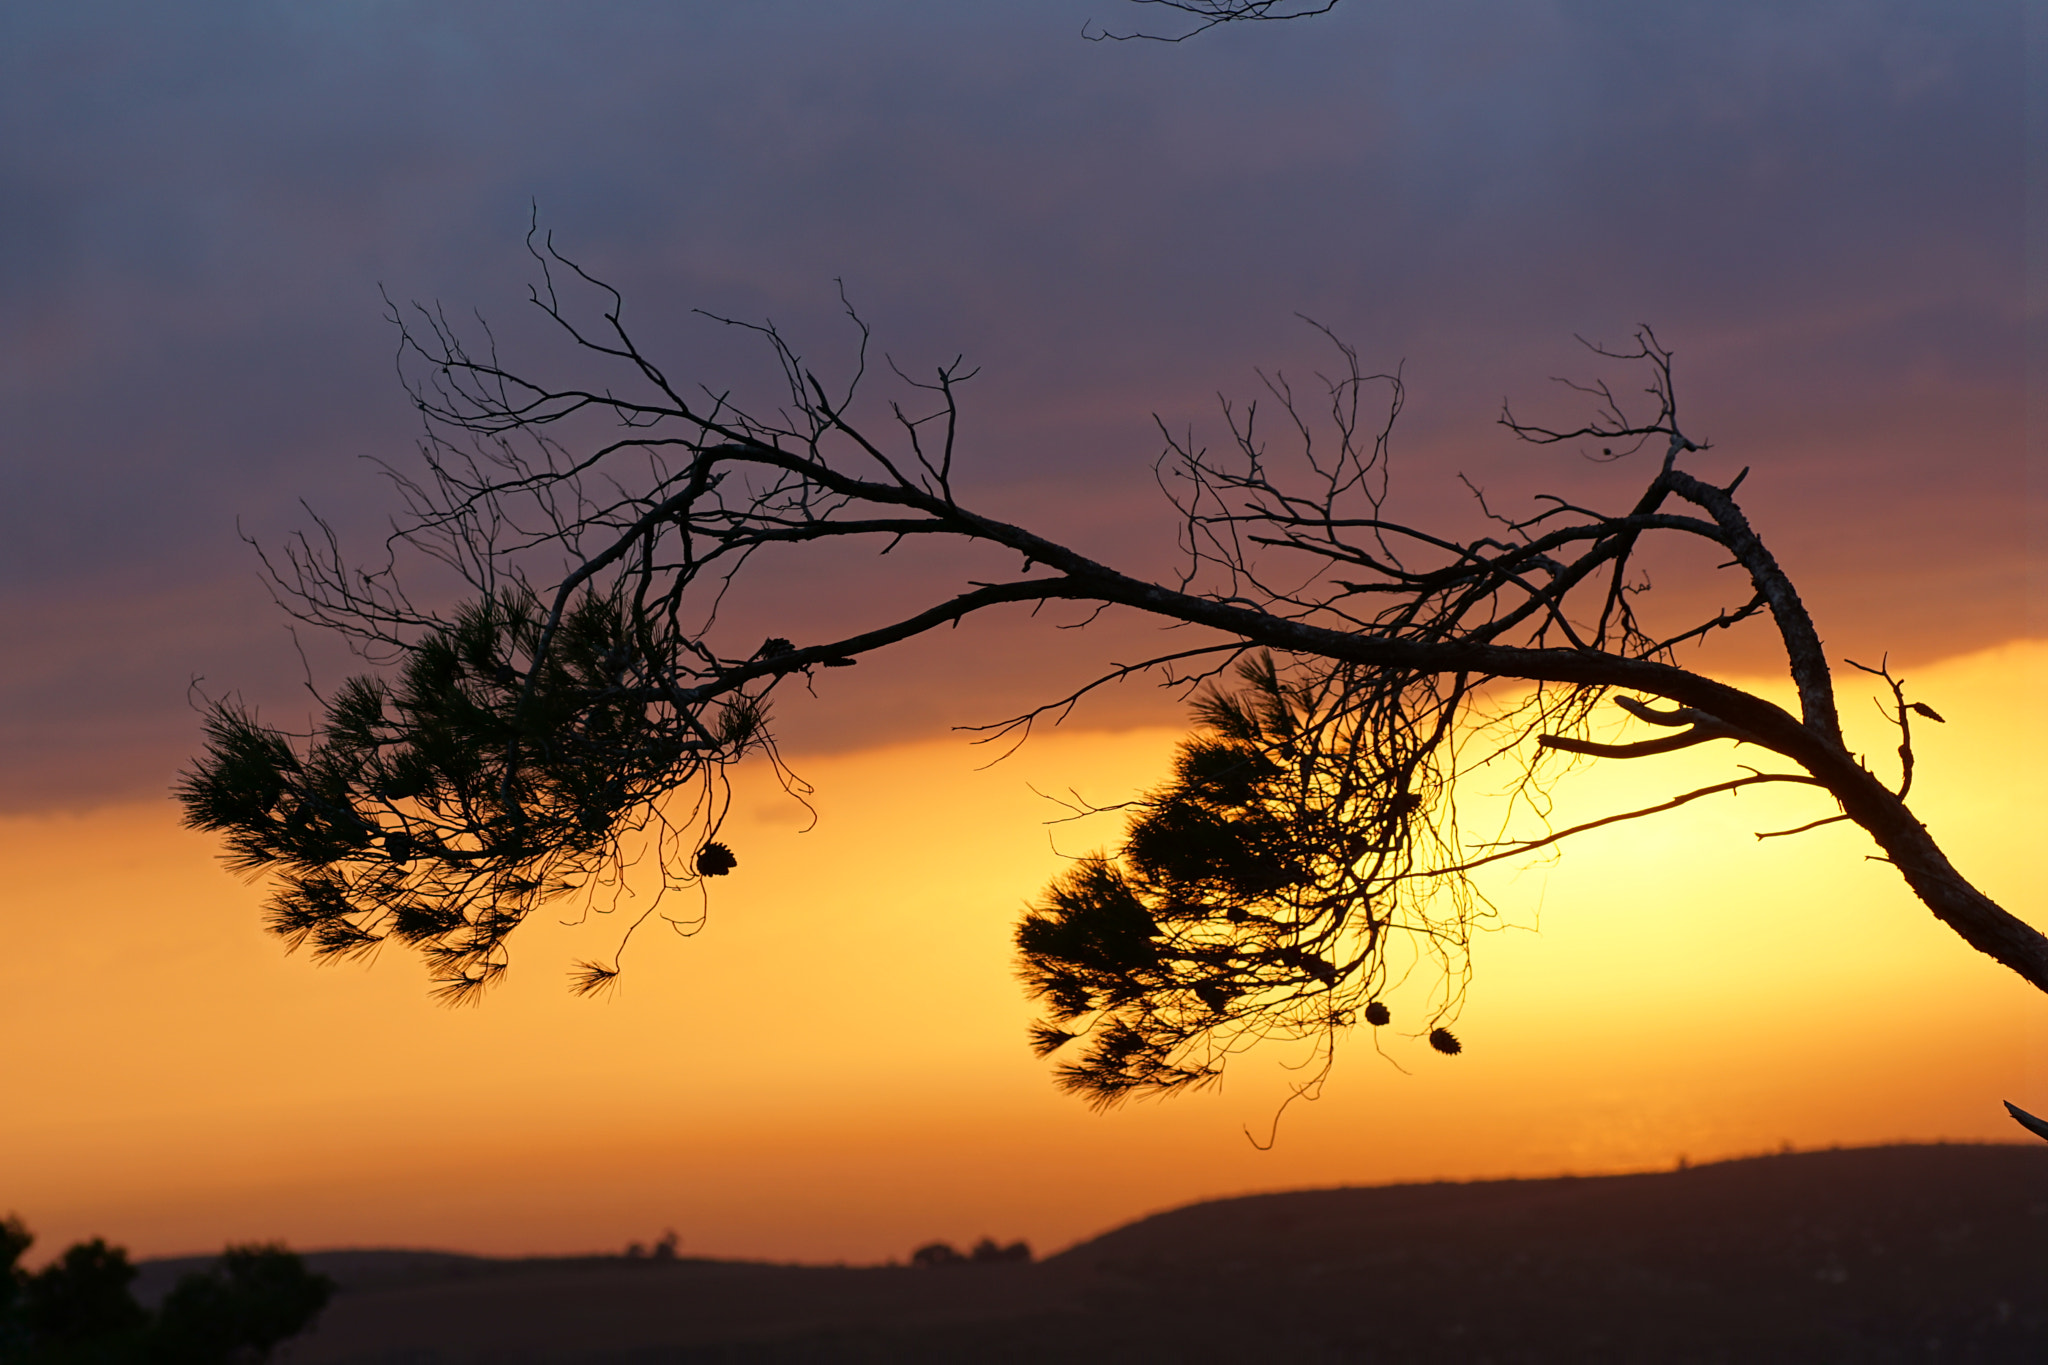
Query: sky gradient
[[1819, 206]]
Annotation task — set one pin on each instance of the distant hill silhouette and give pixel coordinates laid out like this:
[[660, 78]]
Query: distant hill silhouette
[[1911, 1253]]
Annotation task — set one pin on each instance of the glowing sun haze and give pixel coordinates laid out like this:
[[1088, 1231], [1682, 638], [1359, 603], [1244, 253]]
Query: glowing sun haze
[[1817, 204], [835, 1067]]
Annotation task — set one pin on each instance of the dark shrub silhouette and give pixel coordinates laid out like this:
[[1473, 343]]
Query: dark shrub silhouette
[[78, 1307], [15, 1238], [253, 1298], [78, 1310]]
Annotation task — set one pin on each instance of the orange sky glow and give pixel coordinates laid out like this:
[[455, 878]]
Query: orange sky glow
[[211, 214], [835, 1067]]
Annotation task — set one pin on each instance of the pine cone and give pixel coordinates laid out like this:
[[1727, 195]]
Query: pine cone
[[715, 860]]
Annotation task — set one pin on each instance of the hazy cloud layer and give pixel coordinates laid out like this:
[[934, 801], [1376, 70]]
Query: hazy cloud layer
[[1817, 204]]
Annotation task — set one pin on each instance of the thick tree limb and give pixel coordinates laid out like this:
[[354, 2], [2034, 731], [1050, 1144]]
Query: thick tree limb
[[518, 743]]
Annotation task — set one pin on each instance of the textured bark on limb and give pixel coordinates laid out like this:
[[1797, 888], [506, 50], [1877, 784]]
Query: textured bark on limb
[[588, 693]]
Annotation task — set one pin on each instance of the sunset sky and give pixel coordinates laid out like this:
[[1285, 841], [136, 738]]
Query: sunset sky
[[1821, 208]]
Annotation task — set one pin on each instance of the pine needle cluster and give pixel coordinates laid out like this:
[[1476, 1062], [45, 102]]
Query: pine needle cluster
[[1256, 892], [441, 805]]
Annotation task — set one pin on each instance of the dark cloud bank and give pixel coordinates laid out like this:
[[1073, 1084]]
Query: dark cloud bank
[[1817, 204]]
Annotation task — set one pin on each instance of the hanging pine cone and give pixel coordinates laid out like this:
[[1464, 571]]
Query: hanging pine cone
[[1377, 1014], [1446, 1042], [715, 860]]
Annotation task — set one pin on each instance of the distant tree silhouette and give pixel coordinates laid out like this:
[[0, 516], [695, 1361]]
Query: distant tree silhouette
[[663, 1250], [934, 1255], [988, 1251], [582, 706]]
